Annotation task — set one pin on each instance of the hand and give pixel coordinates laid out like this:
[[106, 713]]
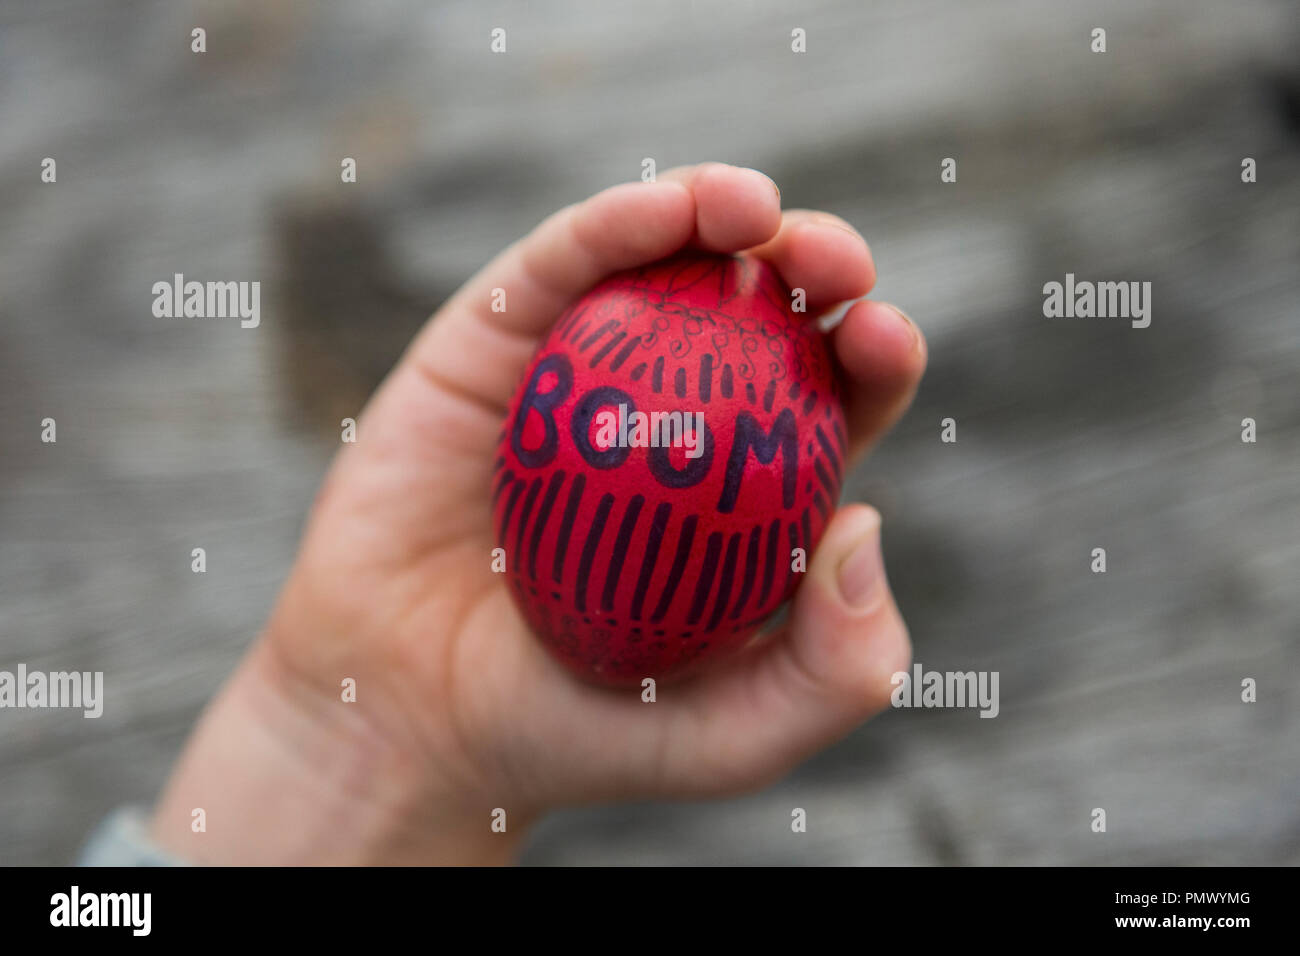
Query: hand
[[459, 710]]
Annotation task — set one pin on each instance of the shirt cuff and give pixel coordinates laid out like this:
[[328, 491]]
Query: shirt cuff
[[122, 839]]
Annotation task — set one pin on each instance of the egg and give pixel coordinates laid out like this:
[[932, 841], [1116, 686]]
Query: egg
[[669, 461]]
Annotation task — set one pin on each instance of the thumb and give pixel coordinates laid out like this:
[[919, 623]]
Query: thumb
[[805, 688], [847, 637]]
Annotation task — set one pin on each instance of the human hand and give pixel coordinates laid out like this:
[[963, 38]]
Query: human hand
[[459, 710]]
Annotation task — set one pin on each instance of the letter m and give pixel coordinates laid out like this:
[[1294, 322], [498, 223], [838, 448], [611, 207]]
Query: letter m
[[784, 437], [223, 300], [116, 909], [1115, 295]]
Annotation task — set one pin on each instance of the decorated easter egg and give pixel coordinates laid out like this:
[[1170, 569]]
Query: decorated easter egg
[[667, 466]]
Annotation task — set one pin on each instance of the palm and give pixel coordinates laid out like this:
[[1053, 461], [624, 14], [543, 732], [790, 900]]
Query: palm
[[396, 565]]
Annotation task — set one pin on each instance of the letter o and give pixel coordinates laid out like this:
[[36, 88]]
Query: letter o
[[585, 413]]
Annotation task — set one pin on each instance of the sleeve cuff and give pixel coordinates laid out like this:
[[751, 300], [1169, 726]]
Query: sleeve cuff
[[122, 839]]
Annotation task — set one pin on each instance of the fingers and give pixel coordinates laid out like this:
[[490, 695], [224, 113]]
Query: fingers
[[847, 637], [721, 208], [883, 355], [821, 254], [476, 347], [475, 353], [479, 343], [736, 208], [882, 351], [805, 690], [570, 251]]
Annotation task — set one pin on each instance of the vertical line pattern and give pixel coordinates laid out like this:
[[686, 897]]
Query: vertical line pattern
[[679, 566], [517, 559], [724, 583], [588, 558], [706, 377], [839, 437], [623, 353], [566, 527], [769, 566], [658, 524], [591, 339], [751, 571], [515, 492], [793, 533], [830, 453], [543, 517], [825, 479], [621, 543], [705, 583], [506, 481]]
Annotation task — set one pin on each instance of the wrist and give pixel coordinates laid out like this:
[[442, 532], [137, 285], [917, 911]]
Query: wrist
[[286, 774]]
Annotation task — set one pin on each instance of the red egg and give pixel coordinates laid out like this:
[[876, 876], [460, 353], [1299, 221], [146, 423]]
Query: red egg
[[638, 544]]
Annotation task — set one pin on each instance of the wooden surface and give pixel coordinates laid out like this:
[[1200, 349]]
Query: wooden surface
[[1118, 691]]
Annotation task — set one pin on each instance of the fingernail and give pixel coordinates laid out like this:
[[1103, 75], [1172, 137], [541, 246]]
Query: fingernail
[[911, 326], [835, 315], [827, 219], [862, 572], [775, 188]]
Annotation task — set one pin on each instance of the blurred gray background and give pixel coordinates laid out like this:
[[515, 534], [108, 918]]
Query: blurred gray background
[[1119, 690]]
